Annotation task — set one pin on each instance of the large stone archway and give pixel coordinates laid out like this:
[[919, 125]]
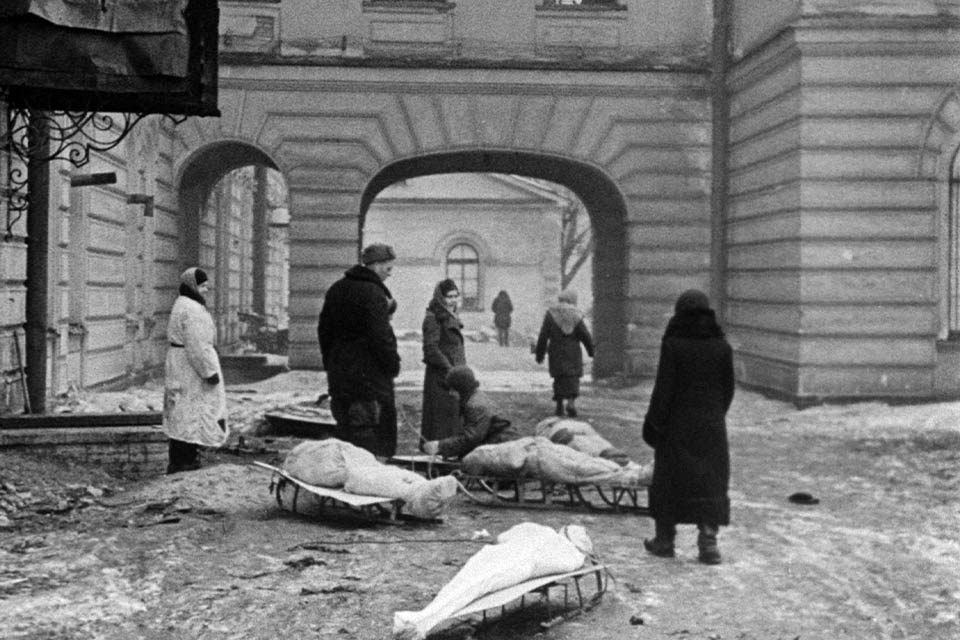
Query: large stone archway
[[634, 147], [600, 196]]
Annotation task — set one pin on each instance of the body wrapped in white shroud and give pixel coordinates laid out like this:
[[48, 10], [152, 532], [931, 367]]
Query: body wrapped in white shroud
[[523, 552]]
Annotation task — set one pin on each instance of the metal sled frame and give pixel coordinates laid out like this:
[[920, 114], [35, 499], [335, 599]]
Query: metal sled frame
[[530, 491], [373, 508], [542, 587], [535, 492]]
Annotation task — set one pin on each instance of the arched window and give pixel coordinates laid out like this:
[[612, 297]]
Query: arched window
[[463, 267], [953, 253]]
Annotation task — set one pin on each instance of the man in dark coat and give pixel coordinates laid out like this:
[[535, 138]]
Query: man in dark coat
[[359, 351], [686, 425], [442, 350], [561, 334], [480, 424]]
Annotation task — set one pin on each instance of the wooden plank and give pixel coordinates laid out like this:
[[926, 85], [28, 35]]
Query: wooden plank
[[72, 420]]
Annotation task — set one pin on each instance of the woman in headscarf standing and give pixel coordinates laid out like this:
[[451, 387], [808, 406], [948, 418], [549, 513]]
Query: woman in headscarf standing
[[502, 309], [686, 426], [194, 401], [561, 334], [442, 350]]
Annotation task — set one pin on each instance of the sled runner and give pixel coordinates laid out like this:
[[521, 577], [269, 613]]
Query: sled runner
[[555, 591], [535, 492], [542, 586], [336, 501]]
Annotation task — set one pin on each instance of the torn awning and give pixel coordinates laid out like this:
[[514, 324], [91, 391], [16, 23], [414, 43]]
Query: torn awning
[[155, 56]]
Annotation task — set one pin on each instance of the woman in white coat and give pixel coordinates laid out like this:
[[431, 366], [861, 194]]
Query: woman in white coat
[[194, 401]]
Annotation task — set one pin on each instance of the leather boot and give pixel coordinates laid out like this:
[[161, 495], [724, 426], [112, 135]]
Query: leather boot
[[707, 543], [662, 545]]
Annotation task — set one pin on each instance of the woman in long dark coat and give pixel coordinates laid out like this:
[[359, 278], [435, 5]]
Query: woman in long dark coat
[[442, 350], [502, 307], [686, 426], [561, 334]]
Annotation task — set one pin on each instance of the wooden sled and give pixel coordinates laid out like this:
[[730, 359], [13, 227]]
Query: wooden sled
[[535, 492], [542, 586], [336, 502], [523, 491]]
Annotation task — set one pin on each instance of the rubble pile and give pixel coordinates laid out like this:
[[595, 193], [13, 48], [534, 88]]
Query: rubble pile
[[34, 490]]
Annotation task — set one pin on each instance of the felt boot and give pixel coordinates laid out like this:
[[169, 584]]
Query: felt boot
[[707, 544], [662, 544], [571, 408], [559, 410]]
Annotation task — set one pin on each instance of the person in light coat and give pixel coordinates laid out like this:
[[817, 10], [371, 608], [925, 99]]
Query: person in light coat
[[194, 400]]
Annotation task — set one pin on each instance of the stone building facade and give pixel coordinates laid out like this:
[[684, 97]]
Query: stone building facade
[[485, 231], [791, 157]]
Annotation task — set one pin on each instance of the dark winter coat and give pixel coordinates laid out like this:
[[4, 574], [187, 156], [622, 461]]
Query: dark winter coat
[[442, 349], [480, 426], [357, 343], [502, 307], [685, 423], [562, 349]]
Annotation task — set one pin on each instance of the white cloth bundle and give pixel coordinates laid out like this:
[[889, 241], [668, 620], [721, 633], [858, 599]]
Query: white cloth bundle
[[325, 462], [537, 457], [521, 553], [422, 498], [560, 463], [580, 435], [505, 459], [337, 464]]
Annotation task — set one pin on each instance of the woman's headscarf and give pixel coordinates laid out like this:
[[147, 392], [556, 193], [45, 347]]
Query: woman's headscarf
[[693, 317], [190, 281], [439, 300], [566, 314]]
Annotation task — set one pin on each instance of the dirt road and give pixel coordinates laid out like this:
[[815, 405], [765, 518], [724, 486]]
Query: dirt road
[[208, 554]]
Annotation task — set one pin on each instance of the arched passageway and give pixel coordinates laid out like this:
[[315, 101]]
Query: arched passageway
[[600, 196], [232, 221]]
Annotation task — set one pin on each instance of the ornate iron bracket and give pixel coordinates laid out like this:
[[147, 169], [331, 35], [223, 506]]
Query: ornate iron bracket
[[71, 136]]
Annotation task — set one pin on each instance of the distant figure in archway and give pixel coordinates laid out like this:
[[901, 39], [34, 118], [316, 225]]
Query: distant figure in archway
[[561, 334], [502, 307], [442, 350], [359, 352], [194, 400]]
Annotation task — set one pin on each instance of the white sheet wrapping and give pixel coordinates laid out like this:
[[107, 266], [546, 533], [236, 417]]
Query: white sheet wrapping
[[337, 464], [551, 462], [523, 552], [580, 435], [325, 462]]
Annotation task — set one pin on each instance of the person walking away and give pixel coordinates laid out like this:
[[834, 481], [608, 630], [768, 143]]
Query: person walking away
[[502, 307], [194, 400], [686, 426], [480, 424], [443, 349], [359, 352], [561, 334]]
